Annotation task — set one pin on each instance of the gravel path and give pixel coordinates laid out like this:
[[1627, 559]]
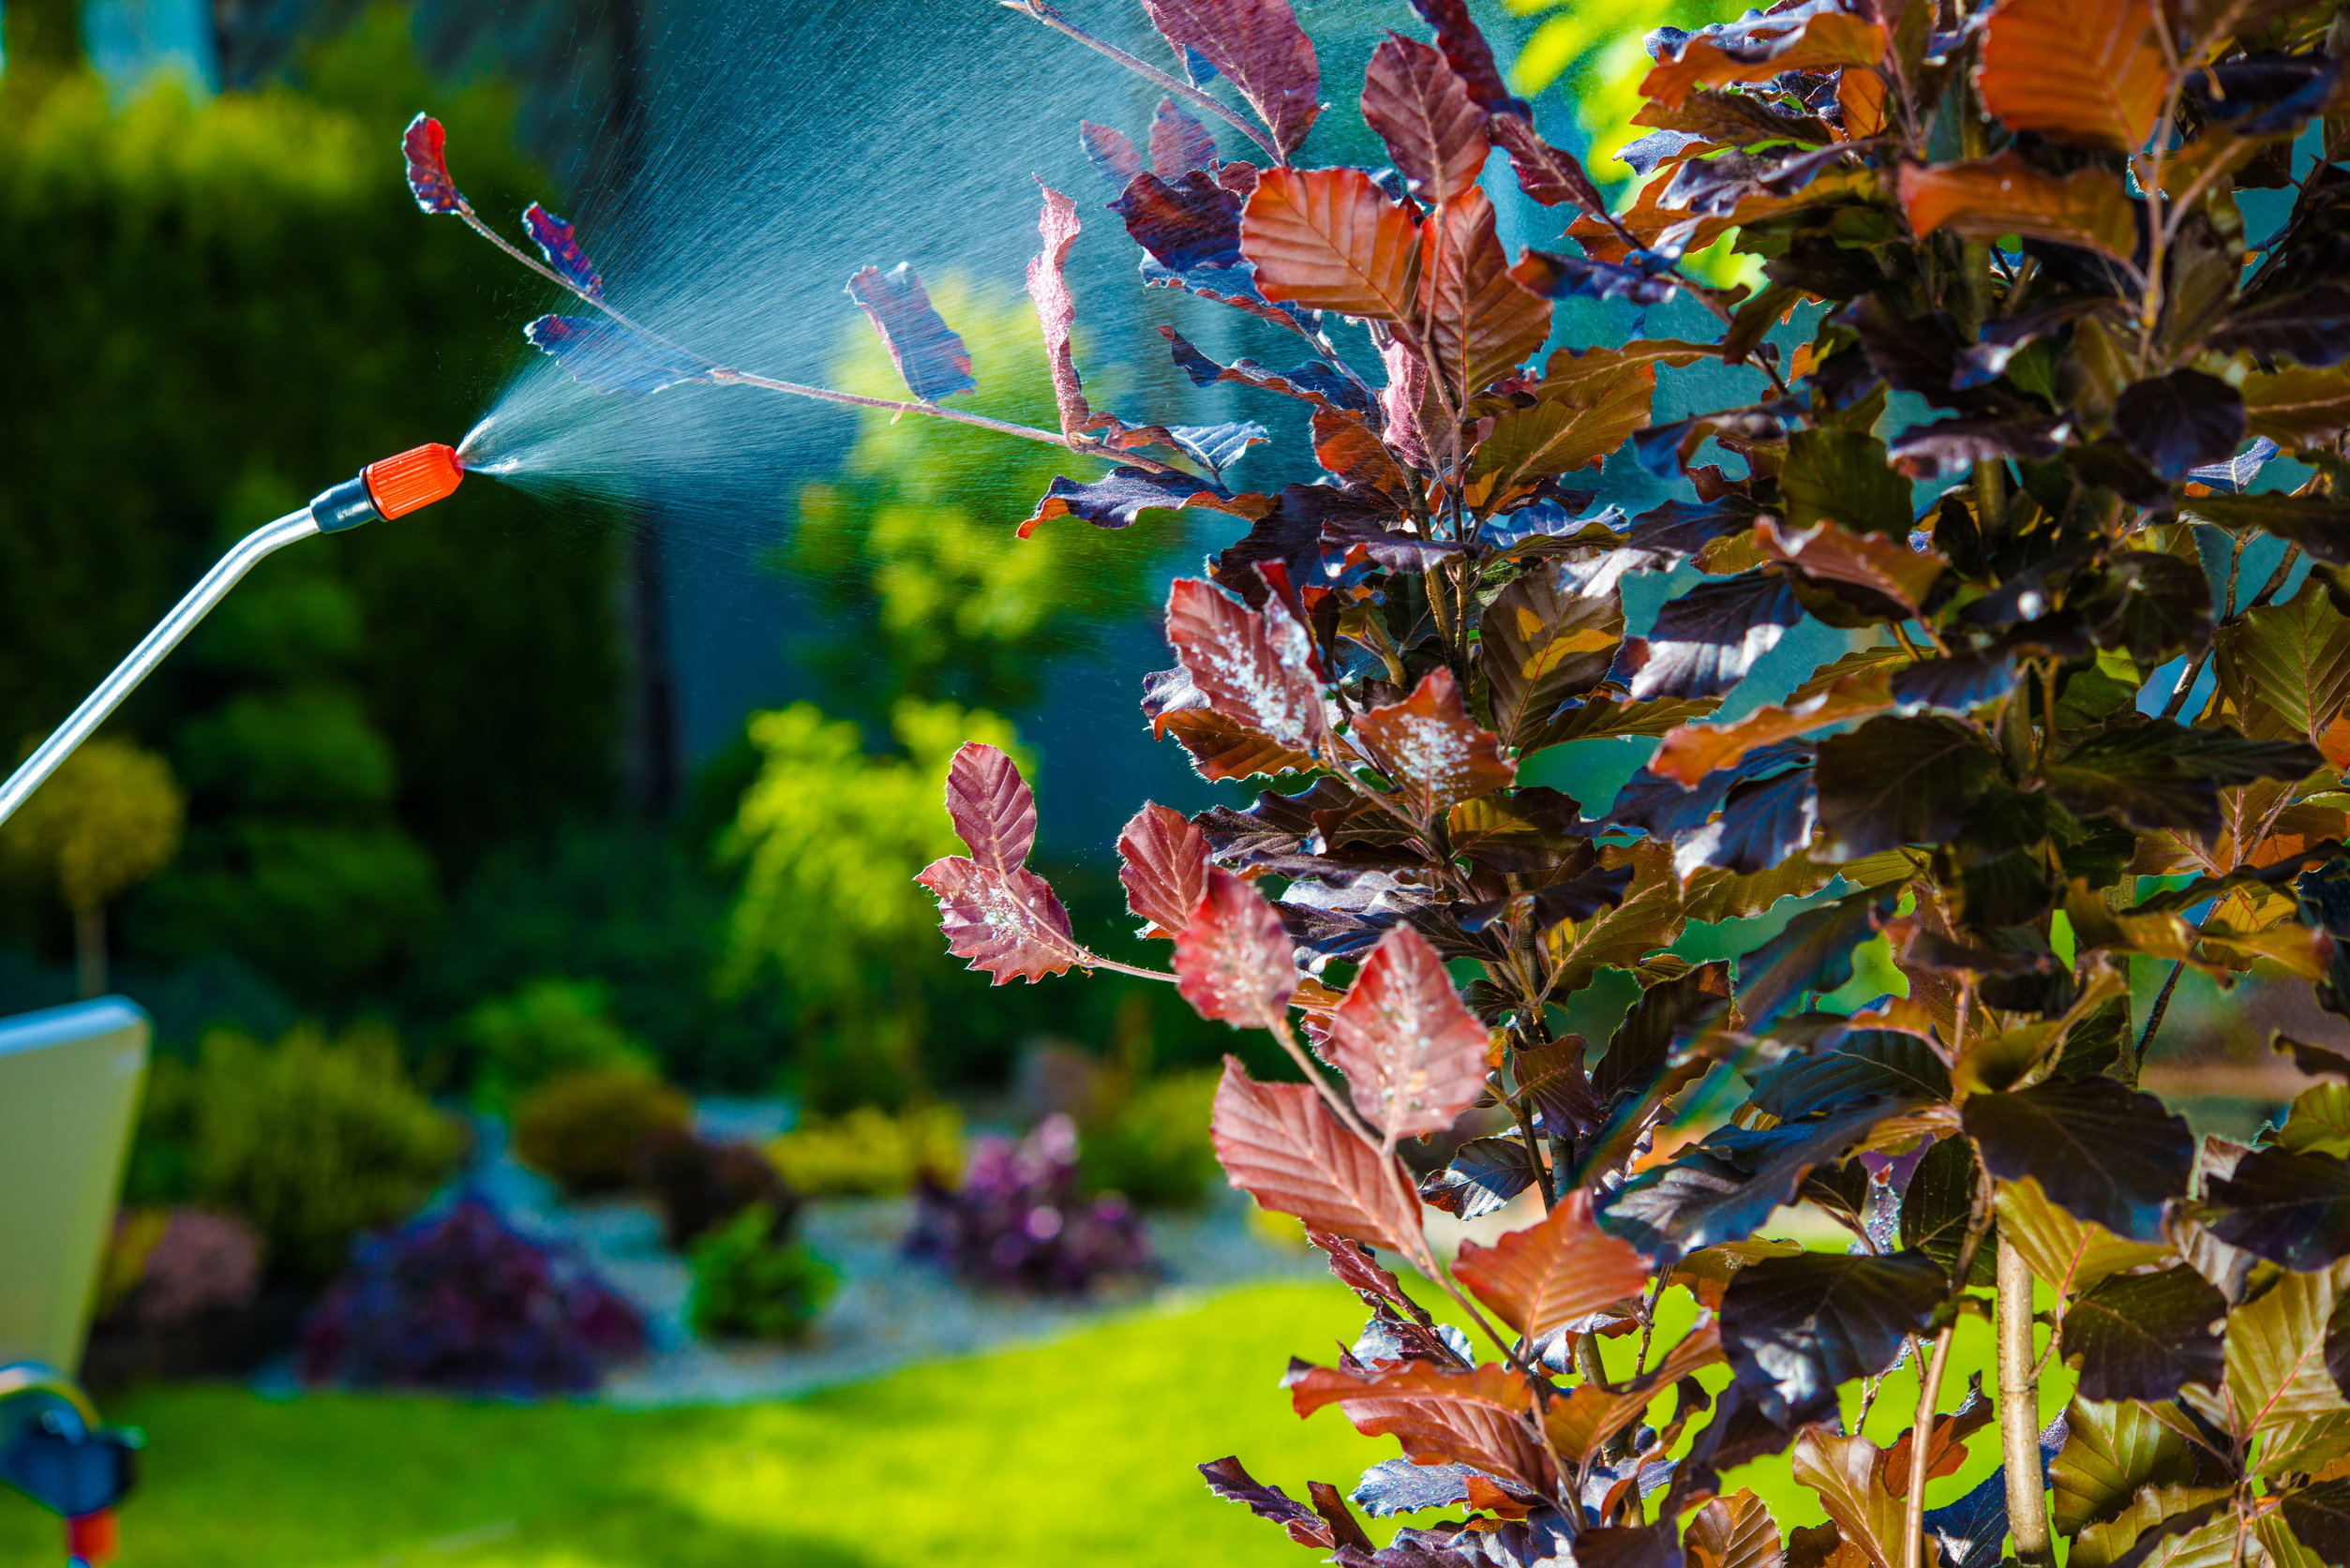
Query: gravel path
[[890, 1311]]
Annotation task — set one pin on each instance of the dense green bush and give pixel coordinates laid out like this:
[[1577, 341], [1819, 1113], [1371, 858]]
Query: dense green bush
[[870, 1153], [749, 1284], [313, 1139], [829, 836], [203, 297], [544, 1031], [1154, 1148], [631, 905], [583, 1130]]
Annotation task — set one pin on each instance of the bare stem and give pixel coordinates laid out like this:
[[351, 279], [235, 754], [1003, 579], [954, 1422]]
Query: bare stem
[[1095, 961], [1920, 1447], [730, 377], [2161, 1006], [2019, 1410], [1040, 11]]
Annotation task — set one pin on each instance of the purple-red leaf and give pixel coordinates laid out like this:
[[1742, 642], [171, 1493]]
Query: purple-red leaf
[[425, 145], [1056, 313], [1328, 239], [1233, 960], [1260, 47], [993, 810], [995, 912], [1110, 152], [610, 357], [1163, 863], [929, 356], [1228, 1479], [1468, 54], [1186, 223], [1413, 1056], [1255, 666], [1282, 1146], [1124, 494], [1435, 134], [1548, 175], [1546, 1276], [1434, 752], [1178, 142], [1476, 1418], [554, 238]]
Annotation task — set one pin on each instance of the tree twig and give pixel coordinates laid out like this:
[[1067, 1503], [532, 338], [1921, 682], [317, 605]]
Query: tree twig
[[1920, 1447], [1038, 10], [727, 376], [2161, 1006]]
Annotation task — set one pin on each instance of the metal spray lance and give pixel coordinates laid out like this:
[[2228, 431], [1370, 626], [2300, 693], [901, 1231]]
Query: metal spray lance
[[390, 487]]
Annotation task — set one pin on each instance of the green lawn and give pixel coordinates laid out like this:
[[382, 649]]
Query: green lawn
[[1079, 1453]]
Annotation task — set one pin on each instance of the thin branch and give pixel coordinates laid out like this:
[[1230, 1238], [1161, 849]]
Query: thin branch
[[1038, 10], [2187, 679], [2161, 1006], [1095, 961], [727, 376], [1921, 1445]]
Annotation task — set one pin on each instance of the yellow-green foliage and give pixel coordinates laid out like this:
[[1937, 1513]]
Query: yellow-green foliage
[[869, 1153], [917, 532], [314, 1140], [108, 819], [583, 1128], [830, 837], [1594, 47], [1155, 1147]]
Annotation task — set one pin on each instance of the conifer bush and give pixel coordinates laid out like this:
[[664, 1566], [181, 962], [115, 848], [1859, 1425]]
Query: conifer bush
[[2028, 221]]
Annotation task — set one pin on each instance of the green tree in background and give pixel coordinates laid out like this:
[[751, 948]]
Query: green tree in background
[[107, 820], [829, 837], [296, 864], [1593, 51], [911, 551]]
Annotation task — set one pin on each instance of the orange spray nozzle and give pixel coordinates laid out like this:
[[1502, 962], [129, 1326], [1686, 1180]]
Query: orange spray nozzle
[[390, 487], [413, 480]]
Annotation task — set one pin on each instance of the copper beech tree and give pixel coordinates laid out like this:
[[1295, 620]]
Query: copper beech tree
[[2026, 216]]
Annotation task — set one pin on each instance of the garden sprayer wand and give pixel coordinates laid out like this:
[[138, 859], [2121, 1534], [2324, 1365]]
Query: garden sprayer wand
[[390, 487]]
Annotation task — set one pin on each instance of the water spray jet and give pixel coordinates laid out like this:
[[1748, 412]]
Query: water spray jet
[[384, 490]]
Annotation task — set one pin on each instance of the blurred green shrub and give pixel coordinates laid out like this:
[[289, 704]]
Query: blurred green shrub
[[583, 1130], [196, 293], [699, 1183], [870, 1153], [751, 1284], [546, 1029], [107, 820], [829, 837], [638, 908], [1153, 1147], [312, 1139], [292, 787], [925, 588]]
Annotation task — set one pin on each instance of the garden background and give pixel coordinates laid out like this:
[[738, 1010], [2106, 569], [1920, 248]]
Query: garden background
[[599, 803]]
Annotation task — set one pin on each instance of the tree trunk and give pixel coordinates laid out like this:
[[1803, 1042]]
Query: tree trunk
[[655, 762], [89, 949], [2019, 1410]]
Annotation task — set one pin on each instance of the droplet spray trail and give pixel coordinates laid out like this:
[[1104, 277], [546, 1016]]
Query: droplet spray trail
[[389, 487]]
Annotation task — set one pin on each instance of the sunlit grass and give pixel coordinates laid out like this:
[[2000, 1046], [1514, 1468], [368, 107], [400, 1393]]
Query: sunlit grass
[[1077, 1452]]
